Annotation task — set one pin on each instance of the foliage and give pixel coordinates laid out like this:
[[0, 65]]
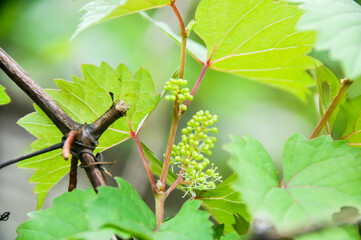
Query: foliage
[[319, 178], [318, 193], [112, 210], [86, 100], [4, 99], [268, 50], [101, 10]]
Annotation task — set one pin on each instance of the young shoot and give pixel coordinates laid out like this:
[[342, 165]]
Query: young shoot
[[190, 153]]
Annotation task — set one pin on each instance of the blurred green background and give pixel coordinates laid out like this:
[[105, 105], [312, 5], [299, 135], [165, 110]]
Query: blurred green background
[[36, 34]]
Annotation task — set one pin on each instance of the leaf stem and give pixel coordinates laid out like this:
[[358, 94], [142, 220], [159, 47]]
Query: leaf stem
[[198, 83], [145, 162], [346, 83], [175, 184], [184, 40]]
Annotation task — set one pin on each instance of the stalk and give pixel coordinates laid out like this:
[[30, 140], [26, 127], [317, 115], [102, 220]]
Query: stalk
[[346, 83]]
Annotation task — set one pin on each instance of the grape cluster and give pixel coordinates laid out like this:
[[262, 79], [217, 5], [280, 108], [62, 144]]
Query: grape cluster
[[188, 154], [176, 87]]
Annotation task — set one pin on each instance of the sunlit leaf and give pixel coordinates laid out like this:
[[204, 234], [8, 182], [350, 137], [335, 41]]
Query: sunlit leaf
[[4, 98], [257, 39], [98, 11], [343, 39], [190, 223], [223, 203], [320, 177], [85, 101]]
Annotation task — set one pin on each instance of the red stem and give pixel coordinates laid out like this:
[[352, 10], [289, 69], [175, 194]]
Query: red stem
[[175, 184], [199, 80], [184, 39], [145, 162]]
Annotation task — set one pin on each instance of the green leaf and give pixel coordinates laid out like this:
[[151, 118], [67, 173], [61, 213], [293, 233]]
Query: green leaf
[[4, 98], [343, 39], [223, 203], [351, 111], [231, 236], [320, 177], [328, 86], [85, 101], [98, 11], [121, 208], [196, 50], [337, 233], [64, 219], [188, 224], [257, 39], [156, 166]]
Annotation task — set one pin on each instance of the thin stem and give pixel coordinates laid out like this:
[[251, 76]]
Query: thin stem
[[346, 83], [198, 83], [159, 198], [56, 114], [33, 154], [175, 184], [171, 137], [145, 162], [184, 40]]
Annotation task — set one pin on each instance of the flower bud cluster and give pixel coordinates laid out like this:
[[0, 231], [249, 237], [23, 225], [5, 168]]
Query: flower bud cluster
[[189, 153], [176, 87]]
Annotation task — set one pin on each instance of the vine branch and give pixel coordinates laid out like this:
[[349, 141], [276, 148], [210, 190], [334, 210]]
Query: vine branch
[[57, 115], [84, 135]]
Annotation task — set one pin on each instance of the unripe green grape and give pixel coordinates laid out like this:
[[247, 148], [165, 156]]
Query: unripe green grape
[[183, 107], [172, 97], [168, 97], [214, 130]]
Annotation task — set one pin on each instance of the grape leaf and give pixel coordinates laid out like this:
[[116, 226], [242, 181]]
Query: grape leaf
[[98, 11], [343, 39], [189, 223], [336, 233], [65, 218], [86, 100], [223, 203], [257, 39], [4, 98], [196, 50], [121, 208], [320, 177]]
